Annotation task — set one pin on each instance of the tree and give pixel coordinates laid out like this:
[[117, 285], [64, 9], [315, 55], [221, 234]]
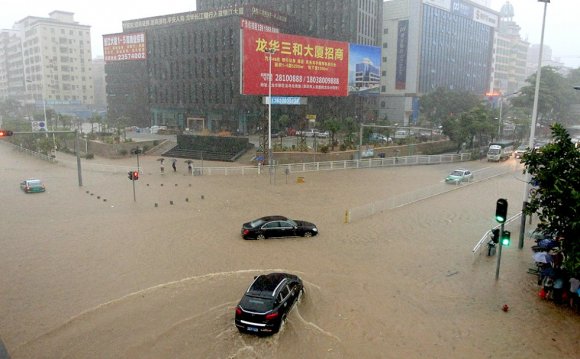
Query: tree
[[332, 125], [441, 104], [555, 96], [556, 199], [477, 123]]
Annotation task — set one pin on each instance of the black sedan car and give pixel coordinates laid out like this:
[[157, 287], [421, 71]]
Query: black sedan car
[[266, 303], [276, 227]]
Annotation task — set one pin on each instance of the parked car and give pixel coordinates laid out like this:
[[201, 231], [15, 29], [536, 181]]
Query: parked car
[[519, 152], [276, 227], [267, 302], [323, 134], [32, 186], [379, 138], [459, 175]]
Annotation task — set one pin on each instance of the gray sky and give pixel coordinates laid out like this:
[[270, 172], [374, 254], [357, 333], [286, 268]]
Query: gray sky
[[105, 17]]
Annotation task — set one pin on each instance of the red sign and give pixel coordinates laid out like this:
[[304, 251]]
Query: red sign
[[301, 66], [124, 47]]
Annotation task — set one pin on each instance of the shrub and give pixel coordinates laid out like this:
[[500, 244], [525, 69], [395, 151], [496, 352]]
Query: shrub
[[324, 148], [90, 156], [123, 152]]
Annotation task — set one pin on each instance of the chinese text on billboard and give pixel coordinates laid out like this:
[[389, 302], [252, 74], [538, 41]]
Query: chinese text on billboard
[[124, 47], [301, 66]]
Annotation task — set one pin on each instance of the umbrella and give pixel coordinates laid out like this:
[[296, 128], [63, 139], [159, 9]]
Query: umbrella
[[542, 257], [188, 161], [161, 159]]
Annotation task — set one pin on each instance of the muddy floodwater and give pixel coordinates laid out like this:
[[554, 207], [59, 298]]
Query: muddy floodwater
[[87, 272]]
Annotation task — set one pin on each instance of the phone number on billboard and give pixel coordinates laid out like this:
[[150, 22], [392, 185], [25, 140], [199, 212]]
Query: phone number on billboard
[[120, 57], [322, 80], [309, 79]]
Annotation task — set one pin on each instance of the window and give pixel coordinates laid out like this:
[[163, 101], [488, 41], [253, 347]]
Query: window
[[271, 225]]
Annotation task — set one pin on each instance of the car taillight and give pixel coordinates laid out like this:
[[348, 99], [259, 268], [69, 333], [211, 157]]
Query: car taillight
[[246, 231], [238, 311], [271, 316]]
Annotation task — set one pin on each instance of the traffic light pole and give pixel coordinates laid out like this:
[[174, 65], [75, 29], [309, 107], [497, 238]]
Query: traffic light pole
[[134, 197], [499, 252]]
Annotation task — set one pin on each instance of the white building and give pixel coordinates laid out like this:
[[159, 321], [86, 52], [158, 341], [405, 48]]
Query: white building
[[510, 54], [52, 63]]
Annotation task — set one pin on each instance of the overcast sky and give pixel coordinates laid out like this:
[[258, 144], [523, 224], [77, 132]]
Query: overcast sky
[[106, 16]]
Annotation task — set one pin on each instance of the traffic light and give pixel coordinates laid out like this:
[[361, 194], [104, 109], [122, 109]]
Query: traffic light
[[135, 175], [4, 133], [505, 238], [130, 175], [501, 210], [495, 235]]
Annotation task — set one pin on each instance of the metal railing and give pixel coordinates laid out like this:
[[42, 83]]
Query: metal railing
[[404, 199], [292, 167], [486, 235]]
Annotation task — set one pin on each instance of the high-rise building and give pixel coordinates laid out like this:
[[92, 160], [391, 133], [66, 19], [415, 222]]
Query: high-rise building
[[509, 65], [48, 61], [192, 70], [343, 20], [428, 44]]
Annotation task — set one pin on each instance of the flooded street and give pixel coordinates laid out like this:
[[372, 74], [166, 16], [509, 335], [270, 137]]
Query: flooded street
[[87, 272]]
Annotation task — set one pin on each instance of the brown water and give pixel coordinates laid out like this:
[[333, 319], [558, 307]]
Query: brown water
[[89, 273]]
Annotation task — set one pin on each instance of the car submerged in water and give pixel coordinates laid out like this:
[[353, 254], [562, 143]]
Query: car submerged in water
[[277, 227], [459, 175], [32, 186], [266, 303]]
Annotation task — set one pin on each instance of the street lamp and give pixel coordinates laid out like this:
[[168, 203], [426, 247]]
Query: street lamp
[[533, 126], [270, 51]]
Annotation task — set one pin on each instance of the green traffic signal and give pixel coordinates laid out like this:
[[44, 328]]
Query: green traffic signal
[[505, 239], [501, 207]]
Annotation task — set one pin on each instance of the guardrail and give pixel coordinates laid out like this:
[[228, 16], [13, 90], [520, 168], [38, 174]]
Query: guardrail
[[486, 235], [296, 167], [404, 199]]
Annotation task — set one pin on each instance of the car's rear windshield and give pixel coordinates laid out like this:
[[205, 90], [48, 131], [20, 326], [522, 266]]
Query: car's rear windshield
[[34, 183], [257, 304], [457, 173]]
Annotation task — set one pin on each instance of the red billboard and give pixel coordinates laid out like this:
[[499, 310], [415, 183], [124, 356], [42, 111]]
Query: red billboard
[[301, 66], [124, 47]]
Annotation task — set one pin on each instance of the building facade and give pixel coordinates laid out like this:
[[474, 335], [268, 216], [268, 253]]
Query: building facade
[[189, 74], [356, 21], [429, 44], [49, 63], [510, 55]]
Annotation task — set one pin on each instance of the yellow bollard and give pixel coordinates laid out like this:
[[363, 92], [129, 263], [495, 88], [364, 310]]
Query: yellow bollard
[[346, 217], [300, 180]]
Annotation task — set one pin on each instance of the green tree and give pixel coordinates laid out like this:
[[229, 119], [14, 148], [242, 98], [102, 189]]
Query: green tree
[[332, 125], [442, 104], [556, 199], [477, 124], [555, 97]]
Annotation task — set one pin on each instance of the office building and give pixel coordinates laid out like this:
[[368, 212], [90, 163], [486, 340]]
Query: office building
[[510, 55], [429, 44], [187, 71]]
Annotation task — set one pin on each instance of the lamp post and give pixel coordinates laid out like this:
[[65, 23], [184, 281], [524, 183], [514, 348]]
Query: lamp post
[[533, 126], [270, 51]]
